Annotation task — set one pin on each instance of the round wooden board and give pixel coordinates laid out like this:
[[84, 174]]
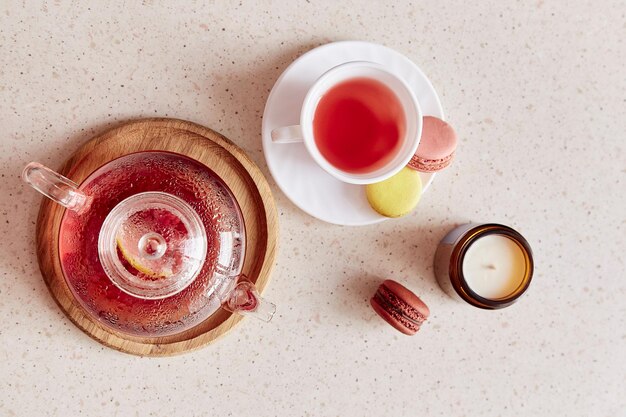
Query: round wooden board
[[228, 161]]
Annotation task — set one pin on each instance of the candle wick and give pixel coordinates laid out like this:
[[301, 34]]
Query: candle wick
[[490, 266]]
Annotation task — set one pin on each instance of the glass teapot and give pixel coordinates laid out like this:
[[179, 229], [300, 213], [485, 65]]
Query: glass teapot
[[151, 243]]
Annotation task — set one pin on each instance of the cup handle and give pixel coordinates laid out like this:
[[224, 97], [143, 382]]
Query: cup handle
[[287, 134]]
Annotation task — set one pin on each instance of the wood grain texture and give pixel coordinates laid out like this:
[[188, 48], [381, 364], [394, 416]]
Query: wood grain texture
[[242, 176]]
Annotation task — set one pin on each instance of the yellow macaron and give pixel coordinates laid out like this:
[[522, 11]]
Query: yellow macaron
[[397, 195]]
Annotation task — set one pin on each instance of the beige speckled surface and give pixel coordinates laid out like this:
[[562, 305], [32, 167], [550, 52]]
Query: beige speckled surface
[[536, 90]]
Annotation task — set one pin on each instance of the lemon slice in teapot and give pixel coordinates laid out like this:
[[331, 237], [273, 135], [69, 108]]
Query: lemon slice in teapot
[[148, 243], [135, 262]]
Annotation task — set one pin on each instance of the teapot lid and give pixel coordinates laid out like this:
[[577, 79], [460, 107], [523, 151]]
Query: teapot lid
[[152, 245]]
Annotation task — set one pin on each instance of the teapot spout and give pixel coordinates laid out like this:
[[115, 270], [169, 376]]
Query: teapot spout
[[55, 186], [245, 300]]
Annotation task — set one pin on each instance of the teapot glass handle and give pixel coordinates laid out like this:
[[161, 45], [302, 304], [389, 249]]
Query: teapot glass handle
[[55, 186], [245, 300]]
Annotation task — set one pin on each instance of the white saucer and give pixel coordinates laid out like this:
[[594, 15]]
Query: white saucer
[[306, 184]]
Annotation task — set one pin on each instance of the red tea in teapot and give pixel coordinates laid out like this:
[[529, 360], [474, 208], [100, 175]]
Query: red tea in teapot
[[179, 176]]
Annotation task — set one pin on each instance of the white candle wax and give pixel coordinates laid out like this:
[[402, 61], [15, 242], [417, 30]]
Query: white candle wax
[[494, 266]]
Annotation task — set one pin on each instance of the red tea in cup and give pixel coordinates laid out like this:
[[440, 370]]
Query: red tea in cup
[[359, 125]]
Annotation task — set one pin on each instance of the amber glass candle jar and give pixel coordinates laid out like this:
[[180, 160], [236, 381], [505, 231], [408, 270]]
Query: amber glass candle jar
[[486, 265]]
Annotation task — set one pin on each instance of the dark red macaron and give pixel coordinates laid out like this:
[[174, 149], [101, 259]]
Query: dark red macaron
[[399, 307]]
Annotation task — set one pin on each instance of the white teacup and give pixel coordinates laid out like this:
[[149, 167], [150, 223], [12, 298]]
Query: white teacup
[[304, 131]]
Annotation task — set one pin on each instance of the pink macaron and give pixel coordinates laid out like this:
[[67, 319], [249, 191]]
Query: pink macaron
[[399, 307], [437, 145]]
